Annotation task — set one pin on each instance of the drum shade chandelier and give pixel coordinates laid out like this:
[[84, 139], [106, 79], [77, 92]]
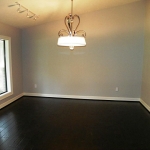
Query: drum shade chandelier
[[74, 37]]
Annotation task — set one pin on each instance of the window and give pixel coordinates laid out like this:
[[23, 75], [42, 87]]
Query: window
[[3, 79], [5, 68]]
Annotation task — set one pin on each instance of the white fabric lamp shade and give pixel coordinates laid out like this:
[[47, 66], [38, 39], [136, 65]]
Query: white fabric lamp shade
[[71, 41]]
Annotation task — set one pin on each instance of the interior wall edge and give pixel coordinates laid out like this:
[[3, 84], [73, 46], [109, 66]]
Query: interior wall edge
[[11, 100], [145, 105], [83, 97]]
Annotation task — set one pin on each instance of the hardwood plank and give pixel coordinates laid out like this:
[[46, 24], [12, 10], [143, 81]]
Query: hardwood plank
[[36, 123]]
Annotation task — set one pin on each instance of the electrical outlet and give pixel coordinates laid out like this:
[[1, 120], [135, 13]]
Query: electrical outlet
[[117, 89]]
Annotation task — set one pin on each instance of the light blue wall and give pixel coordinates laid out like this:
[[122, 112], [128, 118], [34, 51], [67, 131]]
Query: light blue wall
[[112, 58]]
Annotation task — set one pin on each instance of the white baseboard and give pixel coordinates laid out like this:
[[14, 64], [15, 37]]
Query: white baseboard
[[76, 97], [145, 105], [10, 101], [83, 97]]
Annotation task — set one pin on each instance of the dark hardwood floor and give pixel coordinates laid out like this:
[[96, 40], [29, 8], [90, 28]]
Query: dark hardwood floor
[[34, 123]]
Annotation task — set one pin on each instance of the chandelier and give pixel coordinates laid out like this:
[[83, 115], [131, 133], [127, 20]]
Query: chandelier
[[73, 37]]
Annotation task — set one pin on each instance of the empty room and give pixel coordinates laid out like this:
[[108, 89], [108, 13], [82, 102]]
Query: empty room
[[75, 75]]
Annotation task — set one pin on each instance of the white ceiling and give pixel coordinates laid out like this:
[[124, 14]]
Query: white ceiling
[[50, 10]]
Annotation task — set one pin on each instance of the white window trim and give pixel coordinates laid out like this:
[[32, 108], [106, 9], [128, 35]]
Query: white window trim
[[8, 67]]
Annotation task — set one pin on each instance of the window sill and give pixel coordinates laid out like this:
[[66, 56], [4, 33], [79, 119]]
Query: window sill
[[5, 95]]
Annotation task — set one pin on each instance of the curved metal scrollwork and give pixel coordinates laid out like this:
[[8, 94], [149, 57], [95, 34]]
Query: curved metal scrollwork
[[60, 33], [74, 37], [69, 20]]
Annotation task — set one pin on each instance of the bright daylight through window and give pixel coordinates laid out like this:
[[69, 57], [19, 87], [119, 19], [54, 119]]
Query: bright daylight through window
[[5, 68], [3, 79]]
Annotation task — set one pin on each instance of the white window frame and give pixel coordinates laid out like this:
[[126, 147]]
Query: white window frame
[[8, 67]]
